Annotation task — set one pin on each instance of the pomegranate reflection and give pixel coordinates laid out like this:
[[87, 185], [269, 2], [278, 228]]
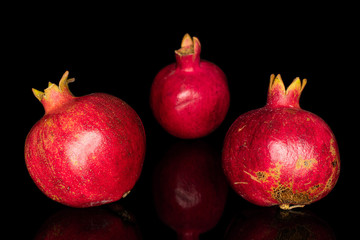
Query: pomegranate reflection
[[272, 223], [98, 223], [190, 189]]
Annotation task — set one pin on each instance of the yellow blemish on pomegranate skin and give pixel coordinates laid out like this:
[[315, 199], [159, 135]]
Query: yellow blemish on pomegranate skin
[[285, 195], [240, 129], [329, 183], [252, 177], [240, 183], [305, 163], [275, 171], [261, 176], [332, 148], [316, 190]]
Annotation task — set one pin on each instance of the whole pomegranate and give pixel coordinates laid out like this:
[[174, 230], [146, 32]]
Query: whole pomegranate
[[280, 154], [190, 98], [85, 151], [190, 189]]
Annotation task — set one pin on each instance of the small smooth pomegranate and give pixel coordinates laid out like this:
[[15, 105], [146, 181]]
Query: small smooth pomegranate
[[280, 154], [190, 98], [85, 151], [190, 189]]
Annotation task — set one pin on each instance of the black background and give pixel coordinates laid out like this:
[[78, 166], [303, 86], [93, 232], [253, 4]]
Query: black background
[[120, 55]]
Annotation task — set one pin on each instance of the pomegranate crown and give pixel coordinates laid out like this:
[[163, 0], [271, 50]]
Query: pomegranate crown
[[278, 95], [189, 46], [188, 56], [55, 95]]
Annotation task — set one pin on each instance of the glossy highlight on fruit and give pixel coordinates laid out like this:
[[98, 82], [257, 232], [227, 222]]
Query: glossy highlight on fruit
[[85, 151], [281, 154], [190, 98]]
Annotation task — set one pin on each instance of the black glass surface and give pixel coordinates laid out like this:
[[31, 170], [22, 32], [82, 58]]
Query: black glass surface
[[123, 62]]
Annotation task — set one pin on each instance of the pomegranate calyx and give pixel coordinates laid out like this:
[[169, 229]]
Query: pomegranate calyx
[[38, 94], [278, 95], [55, 95], [188, 56], [189, 46]]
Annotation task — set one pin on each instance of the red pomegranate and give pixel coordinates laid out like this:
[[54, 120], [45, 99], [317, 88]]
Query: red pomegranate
[[190, 189], [190, 98], [280, 154], [89, 223], [85, 151], [274, 224]]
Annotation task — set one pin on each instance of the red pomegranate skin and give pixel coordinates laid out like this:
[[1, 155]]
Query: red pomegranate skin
[[190, 189], [190, 98], [280, 154], [89, 223], [85, 151]]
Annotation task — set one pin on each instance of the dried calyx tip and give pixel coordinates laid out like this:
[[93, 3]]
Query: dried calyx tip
[[188, 45], [277, 82], [63, 85], [187, 41], [38, 94]]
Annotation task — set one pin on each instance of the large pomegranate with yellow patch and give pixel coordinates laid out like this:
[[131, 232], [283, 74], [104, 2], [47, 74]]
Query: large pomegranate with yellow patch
[[85, 151], [280, 154]]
